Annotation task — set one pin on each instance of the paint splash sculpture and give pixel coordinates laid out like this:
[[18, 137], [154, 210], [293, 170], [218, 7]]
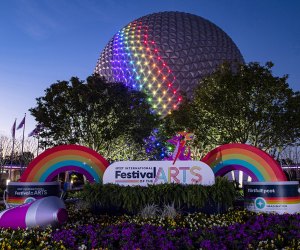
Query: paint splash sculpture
[[259, 165], [180, 142]]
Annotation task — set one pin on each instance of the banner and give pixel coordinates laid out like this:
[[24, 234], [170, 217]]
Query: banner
[[280, 197], [18, 193], [143, 173]]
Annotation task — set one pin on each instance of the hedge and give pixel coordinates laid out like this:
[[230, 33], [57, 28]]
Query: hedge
[[115, 199]]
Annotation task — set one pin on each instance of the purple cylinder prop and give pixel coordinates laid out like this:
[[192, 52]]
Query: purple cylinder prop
[[43, 212]]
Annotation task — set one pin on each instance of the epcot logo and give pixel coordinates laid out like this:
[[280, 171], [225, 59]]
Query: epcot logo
[[260, 203]]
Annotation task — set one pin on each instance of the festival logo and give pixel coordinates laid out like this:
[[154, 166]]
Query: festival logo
[[144, 173]]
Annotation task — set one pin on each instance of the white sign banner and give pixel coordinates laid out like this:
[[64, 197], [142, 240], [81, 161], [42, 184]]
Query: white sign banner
[[272, 197], [143, 173]]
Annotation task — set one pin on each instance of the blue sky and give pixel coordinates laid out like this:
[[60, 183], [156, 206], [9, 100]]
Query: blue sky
[[42, 41]]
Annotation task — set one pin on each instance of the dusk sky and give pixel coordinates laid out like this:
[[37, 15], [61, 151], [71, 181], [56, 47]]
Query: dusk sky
[[42, 41]]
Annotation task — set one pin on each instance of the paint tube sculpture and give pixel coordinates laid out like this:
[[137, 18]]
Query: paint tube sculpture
[[43, 212]]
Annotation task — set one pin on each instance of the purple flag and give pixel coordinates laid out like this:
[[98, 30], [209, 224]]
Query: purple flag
[[36, 131], [33, 132], [22, 123], [13, 130]]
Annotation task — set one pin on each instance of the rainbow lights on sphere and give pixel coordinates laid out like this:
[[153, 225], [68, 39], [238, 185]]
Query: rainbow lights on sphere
[[165, 54]]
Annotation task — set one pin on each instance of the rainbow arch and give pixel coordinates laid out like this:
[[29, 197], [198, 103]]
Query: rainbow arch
[[251, 160], [65, 158]]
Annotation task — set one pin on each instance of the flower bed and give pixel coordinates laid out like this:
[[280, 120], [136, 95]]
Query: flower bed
[[237, 229]]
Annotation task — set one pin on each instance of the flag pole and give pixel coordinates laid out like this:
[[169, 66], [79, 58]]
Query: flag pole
[[13, 132], [36, 132], [11, 158], [22, 167], [38, 142]]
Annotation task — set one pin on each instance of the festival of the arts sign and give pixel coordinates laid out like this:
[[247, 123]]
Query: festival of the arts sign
[[144, 173]]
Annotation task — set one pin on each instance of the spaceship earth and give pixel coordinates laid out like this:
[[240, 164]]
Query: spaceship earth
[[166, 54]]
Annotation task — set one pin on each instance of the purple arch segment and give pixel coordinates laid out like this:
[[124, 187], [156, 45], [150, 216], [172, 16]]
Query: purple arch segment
[[80, 170], [229, 168]]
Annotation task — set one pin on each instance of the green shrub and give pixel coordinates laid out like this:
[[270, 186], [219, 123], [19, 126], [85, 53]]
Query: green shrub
[[169, 211], [150, 211], [114, 199]]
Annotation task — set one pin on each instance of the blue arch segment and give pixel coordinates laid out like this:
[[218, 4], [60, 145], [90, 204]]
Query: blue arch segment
[[62, 164]]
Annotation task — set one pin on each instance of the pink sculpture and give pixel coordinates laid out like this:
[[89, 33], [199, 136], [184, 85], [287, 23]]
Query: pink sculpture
[[43, 212], [180, 141]]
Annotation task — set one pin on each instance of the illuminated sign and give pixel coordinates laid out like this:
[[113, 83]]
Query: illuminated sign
[[269, 197], [143, 173]]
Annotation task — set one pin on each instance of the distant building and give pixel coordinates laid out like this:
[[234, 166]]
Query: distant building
[[15, 173]]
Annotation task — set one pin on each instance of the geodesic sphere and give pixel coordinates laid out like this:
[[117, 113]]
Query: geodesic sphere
[[166, 54]]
